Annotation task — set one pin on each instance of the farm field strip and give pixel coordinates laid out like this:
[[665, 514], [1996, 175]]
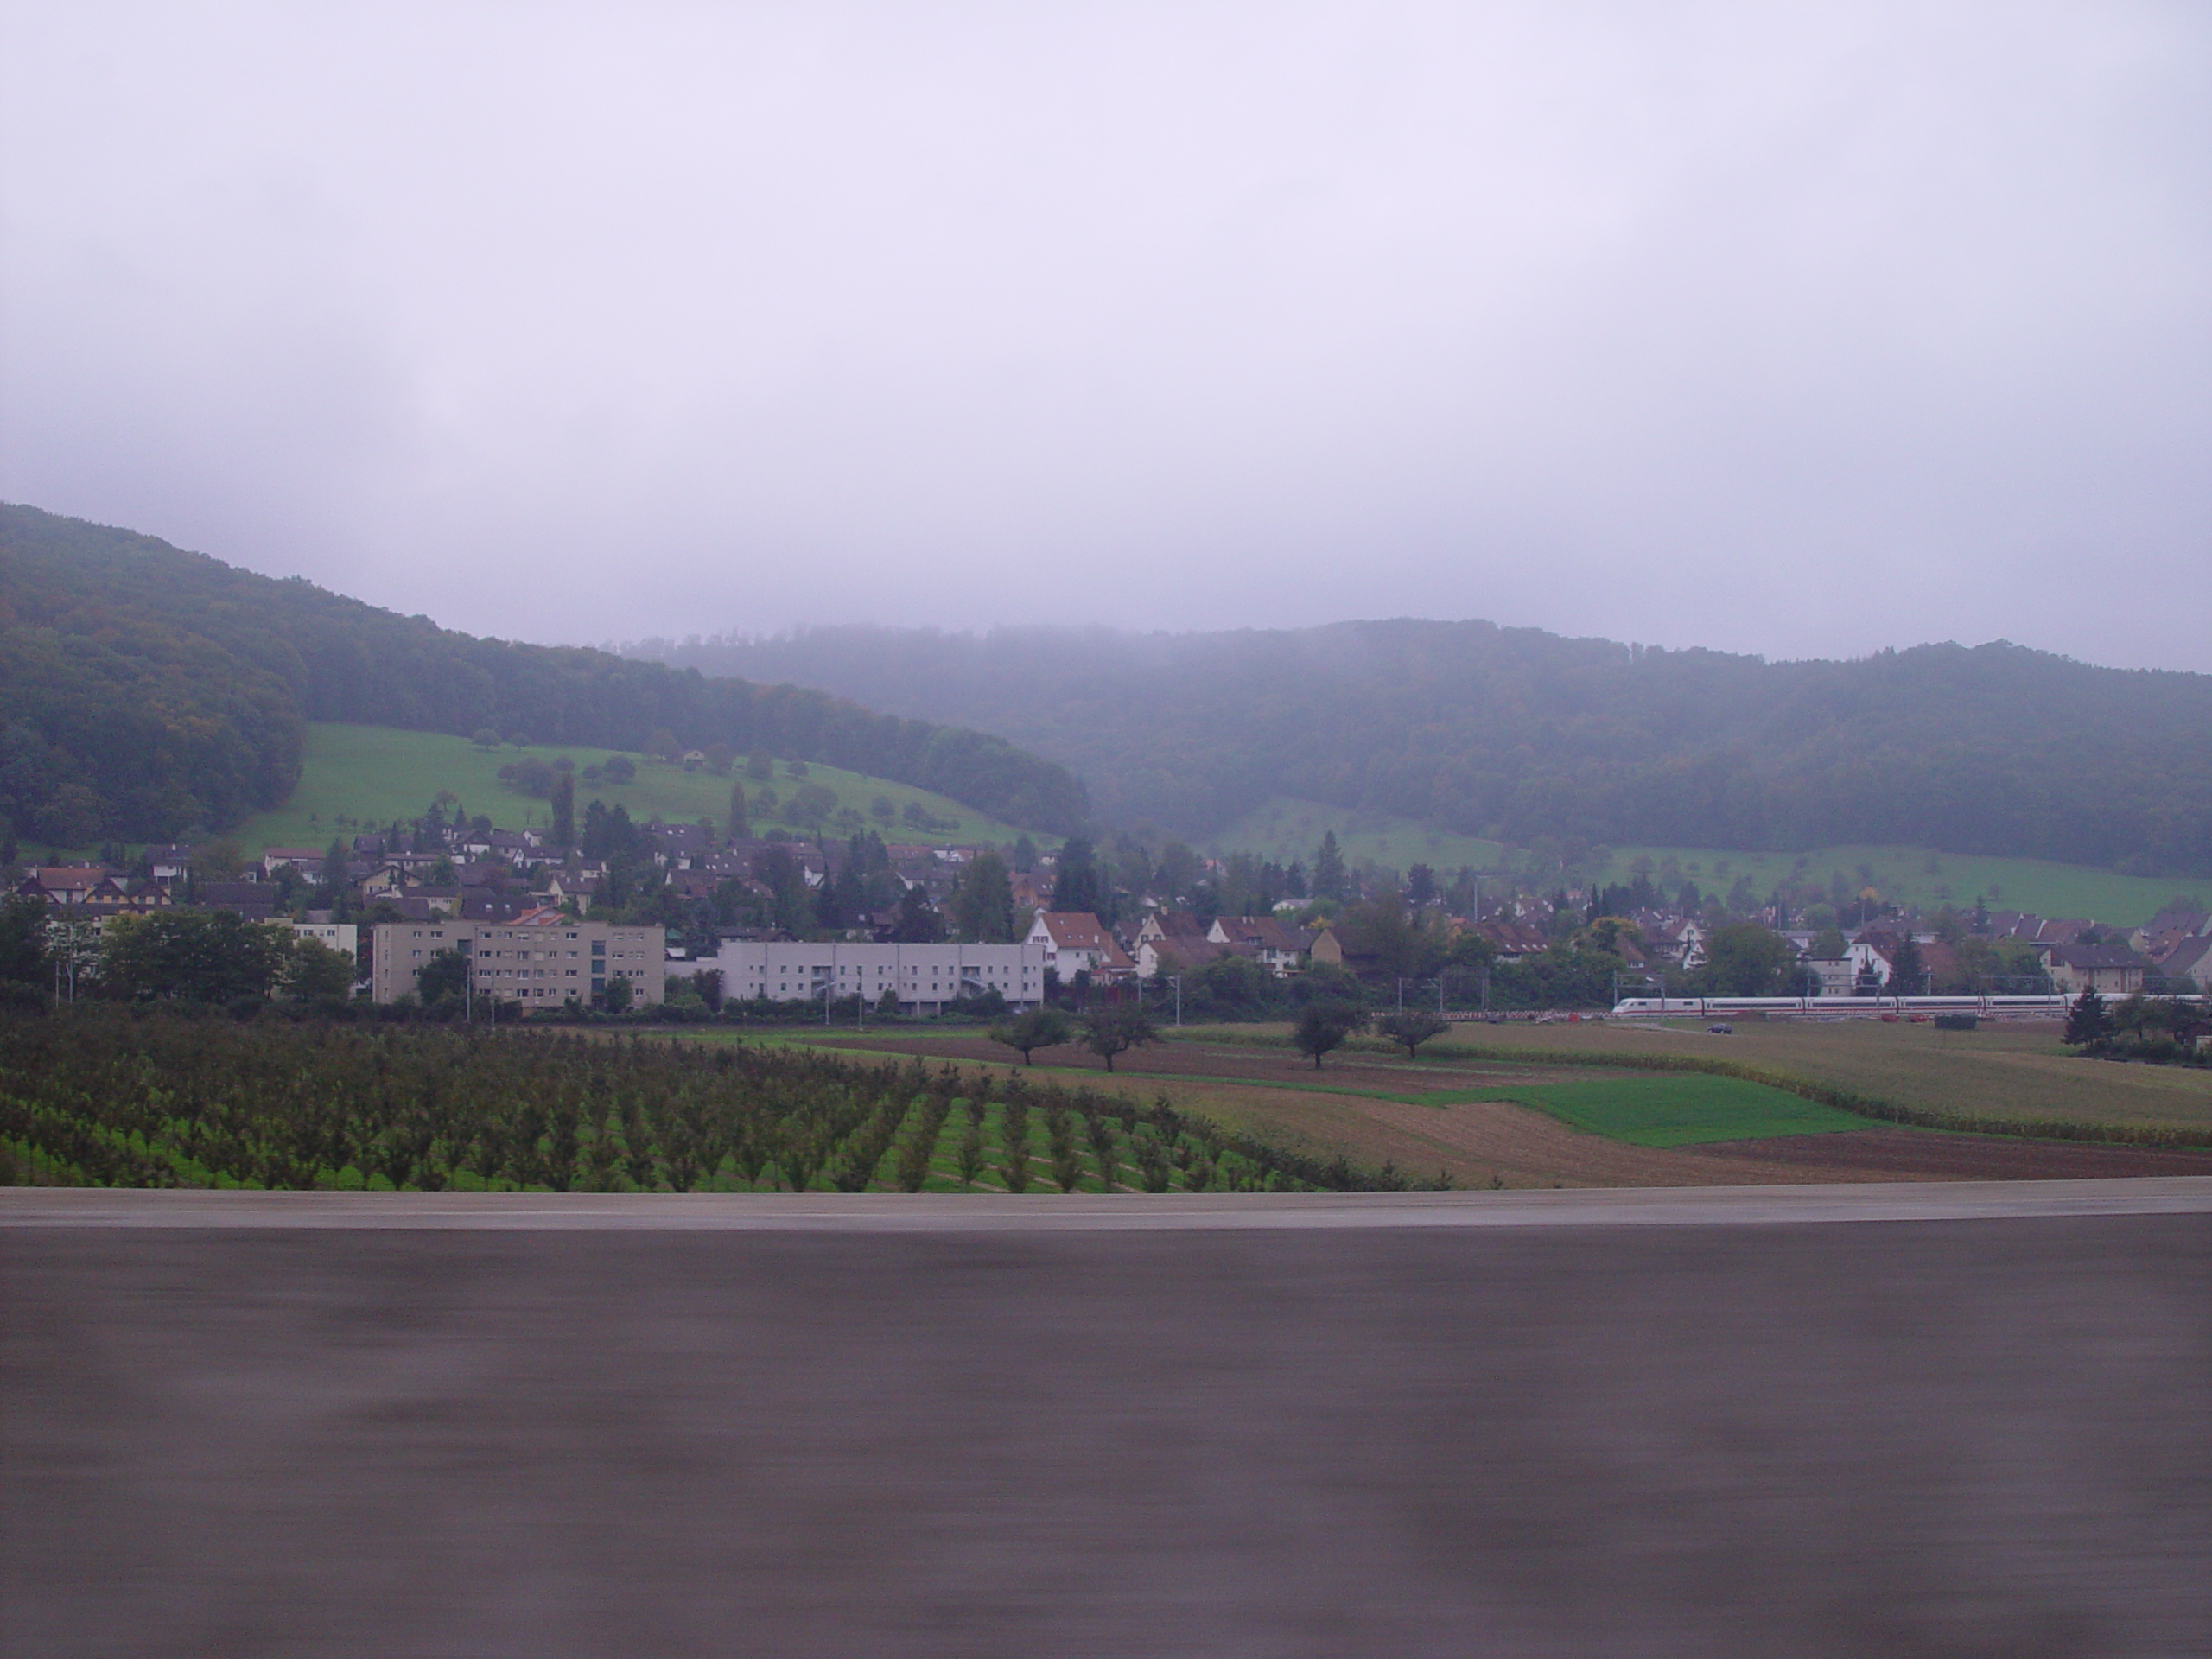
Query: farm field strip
[[1650, 1108], [1498, 1125], [2013, 1072], [1536, 1118], [2017, 1072]]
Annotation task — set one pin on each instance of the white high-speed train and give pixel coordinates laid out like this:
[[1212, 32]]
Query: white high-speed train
[[2053, 1008]]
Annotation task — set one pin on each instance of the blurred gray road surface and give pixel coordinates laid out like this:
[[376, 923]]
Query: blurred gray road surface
[[1949, 1421]]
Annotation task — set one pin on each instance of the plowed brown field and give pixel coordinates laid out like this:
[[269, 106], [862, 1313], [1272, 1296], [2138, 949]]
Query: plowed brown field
[[1921, 1155]]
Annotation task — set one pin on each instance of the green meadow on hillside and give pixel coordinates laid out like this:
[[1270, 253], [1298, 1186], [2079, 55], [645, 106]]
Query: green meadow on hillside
[[373, 774], [1914, 875], [1286, 828]]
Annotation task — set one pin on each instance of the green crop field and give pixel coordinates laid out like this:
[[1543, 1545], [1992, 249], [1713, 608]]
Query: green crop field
[[1916, 875], [1679, 1110], [373, 774], [1286, 828]]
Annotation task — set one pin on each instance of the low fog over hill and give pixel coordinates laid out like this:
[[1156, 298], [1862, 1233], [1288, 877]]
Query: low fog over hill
[[1515, 731]]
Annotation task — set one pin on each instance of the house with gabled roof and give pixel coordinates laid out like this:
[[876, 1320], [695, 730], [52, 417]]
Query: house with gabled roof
[[1180, 953], [1281, 949], [1075, 941], [169, 864], [679, 846], [2189, 962], [1166, 923], [2170, 927], [255, 900], [1512, 940], [66, 885], [2108, 969], [577, 886]]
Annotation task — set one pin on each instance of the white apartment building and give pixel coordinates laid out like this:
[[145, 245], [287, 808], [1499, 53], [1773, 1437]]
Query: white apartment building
[[924, 978], [538, 964]]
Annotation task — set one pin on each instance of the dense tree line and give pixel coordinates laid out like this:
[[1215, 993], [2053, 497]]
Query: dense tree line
[[108, 1098], [1522, 734], [146, 691]]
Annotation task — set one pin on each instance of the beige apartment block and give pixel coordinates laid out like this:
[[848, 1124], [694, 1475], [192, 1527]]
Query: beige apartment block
[[538, 964], [338, 936]]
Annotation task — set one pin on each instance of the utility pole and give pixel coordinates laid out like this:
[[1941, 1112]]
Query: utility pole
[[1176, 980]]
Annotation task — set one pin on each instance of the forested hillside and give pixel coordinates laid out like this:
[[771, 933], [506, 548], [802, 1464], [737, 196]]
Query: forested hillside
[[146, 691], [1518, 732]]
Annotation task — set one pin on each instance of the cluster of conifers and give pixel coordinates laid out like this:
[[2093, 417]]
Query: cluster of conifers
[[114, 1097]]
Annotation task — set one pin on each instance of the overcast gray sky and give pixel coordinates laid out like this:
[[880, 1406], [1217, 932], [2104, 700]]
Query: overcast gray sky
[[1802, 329]]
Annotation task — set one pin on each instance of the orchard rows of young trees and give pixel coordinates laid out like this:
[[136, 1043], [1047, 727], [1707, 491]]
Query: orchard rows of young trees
[[106, 1096]]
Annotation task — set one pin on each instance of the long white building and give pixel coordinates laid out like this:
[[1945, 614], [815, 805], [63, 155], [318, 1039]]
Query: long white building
[[924, 976]]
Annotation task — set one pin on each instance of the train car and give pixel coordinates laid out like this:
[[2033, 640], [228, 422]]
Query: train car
[[1864, 1007]]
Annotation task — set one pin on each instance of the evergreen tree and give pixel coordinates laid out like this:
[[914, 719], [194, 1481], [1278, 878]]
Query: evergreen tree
[[1329, 868], [776, 869], [1907, 970], [983, 902], [564, 813], [1077, 885], [740, 820], [23, 942], [2087, 1021], [918, 922]]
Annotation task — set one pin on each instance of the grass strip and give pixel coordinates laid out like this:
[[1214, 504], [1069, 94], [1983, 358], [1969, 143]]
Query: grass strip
[[1680, 1111]]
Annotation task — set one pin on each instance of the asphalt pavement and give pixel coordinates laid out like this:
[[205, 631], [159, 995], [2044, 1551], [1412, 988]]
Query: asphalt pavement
[[1871, 1420]]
